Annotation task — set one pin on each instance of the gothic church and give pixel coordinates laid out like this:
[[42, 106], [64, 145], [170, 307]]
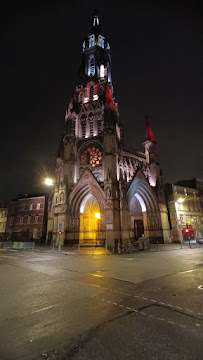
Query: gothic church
[[103, 193]]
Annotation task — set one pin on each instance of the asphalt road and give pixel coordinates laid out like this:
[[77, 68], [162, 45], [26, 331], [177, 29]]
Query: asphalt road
[[95, 306]]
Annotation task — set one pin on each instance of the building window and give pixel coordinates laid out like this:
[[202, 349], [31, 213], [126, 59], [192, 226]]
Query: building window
[[36, 219], [91, 66], [91, 92], [62, 197], [91, 127], [11, 222], [73, 126], [30, 206], [101, 41], [102, 71], [99, 125], [28, 219], [181, 219], [83, 126], [38, 206], [21, 220], [91, 40], [81, 97]]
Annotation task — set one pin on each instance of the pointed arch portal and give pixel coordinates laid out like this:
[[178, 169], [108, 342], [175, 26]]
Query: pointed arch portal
[[90, 216], [87, 211], [144, 210]]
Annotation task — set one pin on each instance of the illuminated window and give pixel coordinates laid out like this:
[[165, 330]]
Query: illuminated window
[[102, 71], [28, 219], [30, 206], [91, 41], [96, 20], [91, 68], [92, 156], [101, 41], [38, 206]]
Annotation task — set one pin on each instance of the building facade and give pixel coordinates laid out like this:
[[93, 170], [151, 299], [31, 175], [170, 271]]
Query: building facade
[[103, 193], [3, 220], [26, 219], [185, 209]]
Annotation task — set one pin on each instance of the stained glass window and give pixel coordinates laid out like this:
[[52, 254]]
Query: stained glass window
[[92, 156]]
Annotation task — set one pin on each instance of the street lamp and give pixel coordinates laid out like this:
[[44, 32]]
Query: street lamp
[[48, 182]]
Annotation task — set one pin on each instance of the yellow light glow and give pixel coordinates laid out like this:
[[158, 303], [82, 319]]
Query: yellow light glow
[[97, 215], [48, 182], [180, 200]]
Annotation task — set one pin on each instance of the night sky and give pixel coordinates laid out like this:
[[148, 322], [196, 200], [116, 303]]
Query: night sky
[[156, 53]]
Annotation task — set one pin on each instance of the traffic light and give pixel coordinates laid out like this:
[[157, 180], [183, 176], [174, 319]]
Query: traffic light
[[60, 232]]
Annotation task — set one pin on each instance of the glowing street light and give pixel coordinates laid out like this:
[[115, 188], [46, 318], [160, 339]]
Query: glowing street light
[[48, 182], [180, 200], [97, 215]]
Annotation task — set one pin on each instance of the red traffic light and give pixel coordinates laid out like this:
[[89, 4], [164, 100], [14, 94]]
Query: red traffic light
[[187, 230], [60, 232]]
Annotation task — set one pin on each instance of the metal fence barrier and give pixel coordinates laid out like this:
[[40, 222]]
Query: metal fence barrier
[[18, 245]]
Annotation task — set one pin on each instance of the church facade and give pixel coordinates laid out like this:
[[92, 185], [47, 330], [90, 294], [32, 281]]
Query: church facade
[[103, 193]]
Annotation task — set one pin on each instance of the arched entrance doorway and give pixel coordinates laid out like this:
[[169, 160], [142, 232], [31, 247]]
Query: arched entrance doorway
[[136, 225], [90, 216], [144, 207]]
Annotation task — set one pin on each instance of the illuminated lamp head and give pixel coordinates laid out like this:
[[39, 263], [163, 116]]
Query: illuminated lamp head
[[48, 182], [97, 215]]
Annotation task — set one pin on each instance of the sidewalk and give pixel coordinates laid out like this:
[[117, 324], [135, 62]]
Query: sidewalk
[[92, 250]]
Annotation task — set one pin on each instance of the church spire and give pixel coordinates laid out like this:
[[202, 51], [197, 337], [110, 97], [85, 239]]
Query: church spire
[[149, 134], [96, 61]]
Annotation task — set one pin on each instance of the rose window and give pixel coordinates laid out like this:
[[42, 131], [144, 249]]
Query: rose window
[[92, 156]]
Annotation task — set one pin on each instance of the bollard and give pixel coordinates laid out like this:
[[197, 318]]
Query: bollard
[[157, 244], [79, 248], [106, 247], [53, 246], [190, 244], [59, 248]]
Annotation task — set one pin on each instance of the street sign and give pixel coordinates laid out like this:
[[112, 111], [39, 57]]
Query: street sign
[[109, 225], [60, 225]]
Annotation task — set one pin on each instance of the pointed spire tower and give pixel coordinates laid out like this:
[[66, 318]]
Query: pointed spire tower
[[150, 152]]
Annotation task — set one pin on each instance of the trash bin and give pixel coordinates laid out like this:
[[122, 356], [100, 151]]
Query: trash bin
[[142, 241]]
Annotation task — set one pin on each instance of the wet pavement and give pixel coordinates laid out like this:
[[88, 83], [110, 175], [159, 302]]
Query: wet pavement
[[147, 305]]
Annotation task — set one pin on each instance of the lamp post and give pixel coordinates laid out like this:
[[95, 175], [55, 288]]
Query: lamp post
[[49, 183]]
